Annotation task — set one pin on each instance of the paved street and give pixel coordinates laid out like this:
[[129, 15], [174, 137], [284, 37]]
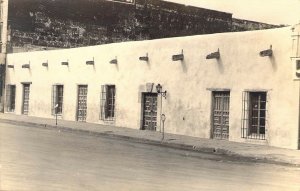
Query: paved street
[[32, 158]]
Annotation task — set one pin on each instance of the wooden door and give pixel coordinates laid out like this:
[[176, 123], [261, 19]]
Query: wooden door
[[220, 115], [149, 111], [25, 103], [82, 103]]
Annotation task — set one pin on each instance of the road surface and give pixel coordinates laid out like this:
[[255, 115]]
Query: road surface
[[46, 159]]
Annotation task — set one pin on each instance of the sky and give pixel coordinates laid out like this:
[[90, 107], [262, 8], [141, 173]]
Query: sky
[[269, 11]]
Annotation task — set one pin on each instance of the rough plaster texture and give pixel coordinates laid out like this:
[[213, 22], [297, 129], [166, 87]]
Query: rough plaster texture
[[188, 82], [3, 36], [3, 17]]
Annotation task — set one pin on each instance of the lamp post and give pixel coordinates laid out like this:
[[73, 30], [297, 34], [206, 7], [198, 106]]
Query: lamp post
[[56, 107], [162, 116]]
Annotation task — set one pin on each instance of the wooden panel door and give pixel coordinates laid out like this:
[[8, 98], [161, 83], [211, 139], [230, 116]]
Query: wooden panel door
[[25, 104], [149, 111], [220, 115], [82, 102]]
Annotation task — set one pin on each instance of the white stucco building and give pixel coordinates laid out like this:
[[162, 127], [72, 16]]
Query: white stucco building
[[238, 94]]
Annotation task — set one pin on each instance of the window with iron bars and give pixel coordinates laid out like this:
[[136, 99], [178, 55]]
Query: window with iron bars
[[254, 115], [107, 102], [10, 98], [57, 99]]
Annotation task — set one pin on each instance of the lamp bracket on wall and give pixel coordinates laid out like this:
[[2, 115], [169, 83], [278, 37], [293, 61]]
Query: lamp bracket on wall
[[144, 58], [65, 63], [268, 52], [45, 64], [178, 57], [114, 61], [26, 65], [159, 91], [10, 66], [214, 55], [90, 62]]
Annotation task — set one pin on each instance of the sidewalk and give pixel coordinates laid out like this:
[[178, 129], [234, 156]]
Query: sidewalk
[[235, 150]]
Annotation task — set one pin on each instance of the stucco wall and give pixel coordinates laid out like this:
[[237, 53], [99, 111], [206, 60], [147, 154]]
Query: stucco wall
[[188, 83]]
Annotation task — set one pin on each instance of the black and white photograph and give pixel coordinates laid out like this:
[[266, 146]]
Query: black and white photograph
[[150, 95]]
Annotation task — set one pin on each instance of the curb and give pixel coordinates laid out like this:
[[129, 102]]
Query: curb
[[227, 154]]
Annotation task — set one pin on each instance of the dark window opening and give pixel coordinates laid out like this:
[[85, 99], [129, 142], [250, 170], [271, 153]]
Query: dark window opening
[[10, 98], [57, 99], [254, 115], [108, 102]]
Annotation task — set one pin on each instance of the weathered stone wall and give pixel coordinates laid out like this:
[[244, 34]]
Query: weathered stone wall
[[246, 25], [78, 23]]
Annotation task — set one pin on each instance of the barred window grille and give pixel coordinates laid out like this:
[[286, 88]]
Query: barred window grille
[[254, 115], [10, 98], [57, 99], [107, 102]]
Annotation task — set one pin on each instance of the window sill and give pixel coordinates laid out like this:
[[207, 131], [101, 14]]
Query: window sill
[[108, 121], [58, 115], [257, 137], [255, 141], [9, 111]]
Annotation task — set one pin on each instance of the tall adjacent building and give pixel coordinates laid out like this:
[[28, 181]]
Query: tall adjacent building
[[3, 45]]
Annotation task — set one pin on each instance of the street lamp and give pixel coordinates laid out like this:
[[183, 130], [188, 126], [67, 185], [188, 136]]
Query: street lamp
[[162, 116], [159, 91], [56, 108]]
